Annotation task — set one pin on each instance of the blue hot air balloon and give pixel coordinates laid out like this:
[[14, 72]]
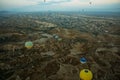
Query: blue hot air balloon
[[83, 60]]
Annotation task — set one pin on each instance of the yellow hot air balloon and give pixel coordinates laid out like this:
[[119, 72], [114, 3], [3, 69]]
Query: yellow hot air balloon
[[86, 74], [28, 45]]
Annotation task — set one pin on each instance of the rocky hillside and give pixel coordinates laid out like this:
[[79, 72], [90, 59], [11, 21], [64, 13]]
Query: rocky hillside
[[59, 41]]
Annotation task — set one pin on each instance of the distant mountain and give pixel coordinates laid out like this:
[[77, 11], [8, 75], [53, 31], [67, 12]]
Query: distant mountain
[[7, 12], [4, 11]]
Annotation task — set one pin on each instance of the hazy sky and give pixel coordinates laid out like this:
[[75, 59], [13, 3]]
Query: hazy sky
[[59, 5]]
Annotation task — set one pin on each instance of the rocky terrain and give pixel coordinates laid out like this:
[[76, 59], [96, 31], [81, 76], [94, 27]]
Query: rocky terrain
[[58, 58]]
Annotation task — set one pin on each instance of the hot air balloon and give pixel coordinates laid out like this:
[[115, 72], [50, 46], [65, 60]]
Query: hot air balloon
[[86, 74], [28, 45], [55, 36], [90, 2], [83, 60]]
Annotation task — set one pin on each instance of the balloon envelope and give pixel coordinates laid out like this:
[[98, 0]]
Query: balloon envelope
[[86, 74], [56, 37], [90, 2], [83, 60], [29, 45]]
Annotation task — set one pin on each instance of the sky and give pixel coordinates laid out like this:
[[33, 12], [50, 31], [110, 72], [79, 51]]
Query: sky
[[59, 5]]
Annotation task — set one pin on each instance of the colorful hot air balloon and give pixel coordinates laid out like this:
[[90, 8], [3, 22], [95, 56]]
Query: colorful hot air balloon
[[86, 74], [28, 45], [83, 60]]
